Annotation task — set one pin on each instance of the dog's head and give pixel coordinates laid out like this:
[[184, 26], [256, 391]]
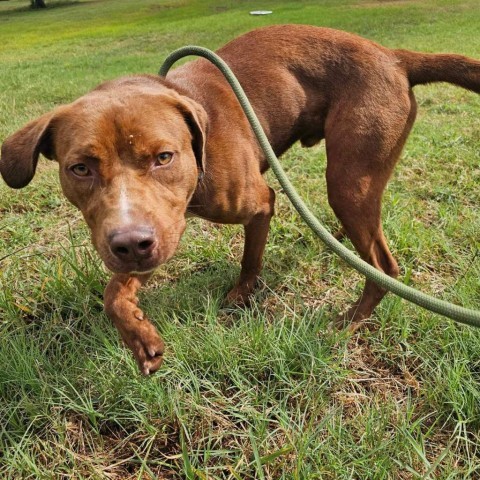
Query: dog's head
[[130, 153]]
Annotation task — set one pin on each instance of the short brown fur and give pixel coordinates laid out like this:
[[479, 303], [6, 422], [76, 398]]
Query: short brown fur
[[115, 145]]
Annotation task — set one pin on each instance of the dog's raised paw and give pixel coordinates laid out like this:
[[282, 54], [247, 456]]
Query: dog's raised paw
[[145, 343]]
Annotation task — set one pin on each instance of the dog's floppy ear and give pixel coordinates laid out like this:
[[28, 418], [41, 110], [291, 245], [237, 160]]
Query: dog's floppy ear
[[20, 151], [197, 121]]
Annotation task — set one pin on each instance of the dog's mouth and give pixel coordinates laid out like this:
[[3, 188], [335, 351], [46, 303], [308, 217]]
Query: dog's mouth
[[140, 267], [147, 263]]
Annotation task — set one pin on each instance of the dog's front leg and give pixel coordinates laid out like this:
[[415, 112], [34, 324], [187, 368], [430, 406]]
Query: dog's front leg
[[256, 232], [121, 306]]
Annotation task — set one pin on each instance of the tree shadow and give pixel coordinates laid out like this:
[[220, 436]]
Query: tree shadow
[[27, 7]]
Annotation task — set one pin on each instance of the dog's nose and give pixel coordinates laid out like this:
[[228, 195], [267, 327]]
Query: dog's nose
[[133, 243]]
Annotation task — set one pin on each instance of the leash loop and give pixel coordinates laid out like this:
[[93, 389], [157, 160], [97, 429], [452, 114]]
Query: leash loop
[[452, 311]]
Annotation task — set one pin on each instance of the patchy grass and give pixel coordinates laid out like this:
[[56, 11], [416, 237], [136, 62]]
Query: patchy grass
[[269, 392]]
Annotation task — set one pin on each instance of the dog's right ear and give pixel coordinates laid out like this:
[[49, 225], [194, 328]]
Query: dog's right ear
[[20, 151]]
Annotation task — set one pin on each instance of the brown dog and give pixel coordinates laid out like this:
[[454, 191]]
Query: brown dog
[[138, 154]]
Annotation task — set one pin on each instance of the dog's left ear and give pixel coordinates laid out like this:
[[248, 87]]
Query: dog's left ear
[[197, 120], [20, 151]]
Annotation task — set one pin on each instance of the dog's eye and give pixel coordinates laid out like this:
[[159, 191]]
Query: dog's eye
[[80, 169], [164, 158]]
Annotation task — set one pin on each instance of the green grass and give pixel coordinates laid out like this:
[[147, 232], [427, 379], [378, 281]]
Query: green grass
[[270, 392]]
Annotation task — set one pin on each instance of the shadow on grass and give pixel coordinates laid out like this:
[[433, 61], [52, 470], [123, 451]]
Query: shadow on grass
[[50, 5], [192, 292]]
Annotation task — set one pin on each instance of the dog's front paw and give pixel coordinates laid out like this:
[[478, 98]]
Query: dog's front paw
[[145, 343], [136, 330], [140, 336], [239, 296]]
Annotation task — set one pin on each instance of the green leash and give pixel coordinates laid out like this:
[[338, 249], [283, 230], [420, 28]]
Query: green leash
[[455, 312]]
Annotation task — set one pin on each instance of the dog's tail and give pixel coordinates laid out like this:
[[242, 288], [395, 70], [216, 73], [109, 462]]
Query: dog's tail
[[427, 67]]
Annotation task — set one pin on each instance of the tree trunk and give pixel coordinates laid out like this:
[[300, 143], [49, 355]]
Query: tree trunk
[[38, 4]]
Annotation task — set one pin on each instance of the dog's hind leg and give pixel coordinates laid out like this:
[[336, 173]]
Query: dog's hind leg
[[356, 201], [359, 165]]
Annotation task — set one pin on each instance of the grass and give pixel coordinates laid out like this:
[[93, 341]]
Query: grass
[[269, 392]]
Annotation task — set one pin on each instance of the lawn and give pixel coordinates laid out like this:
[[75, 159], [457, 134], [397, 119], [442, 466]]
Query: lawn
[[267, 392]]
